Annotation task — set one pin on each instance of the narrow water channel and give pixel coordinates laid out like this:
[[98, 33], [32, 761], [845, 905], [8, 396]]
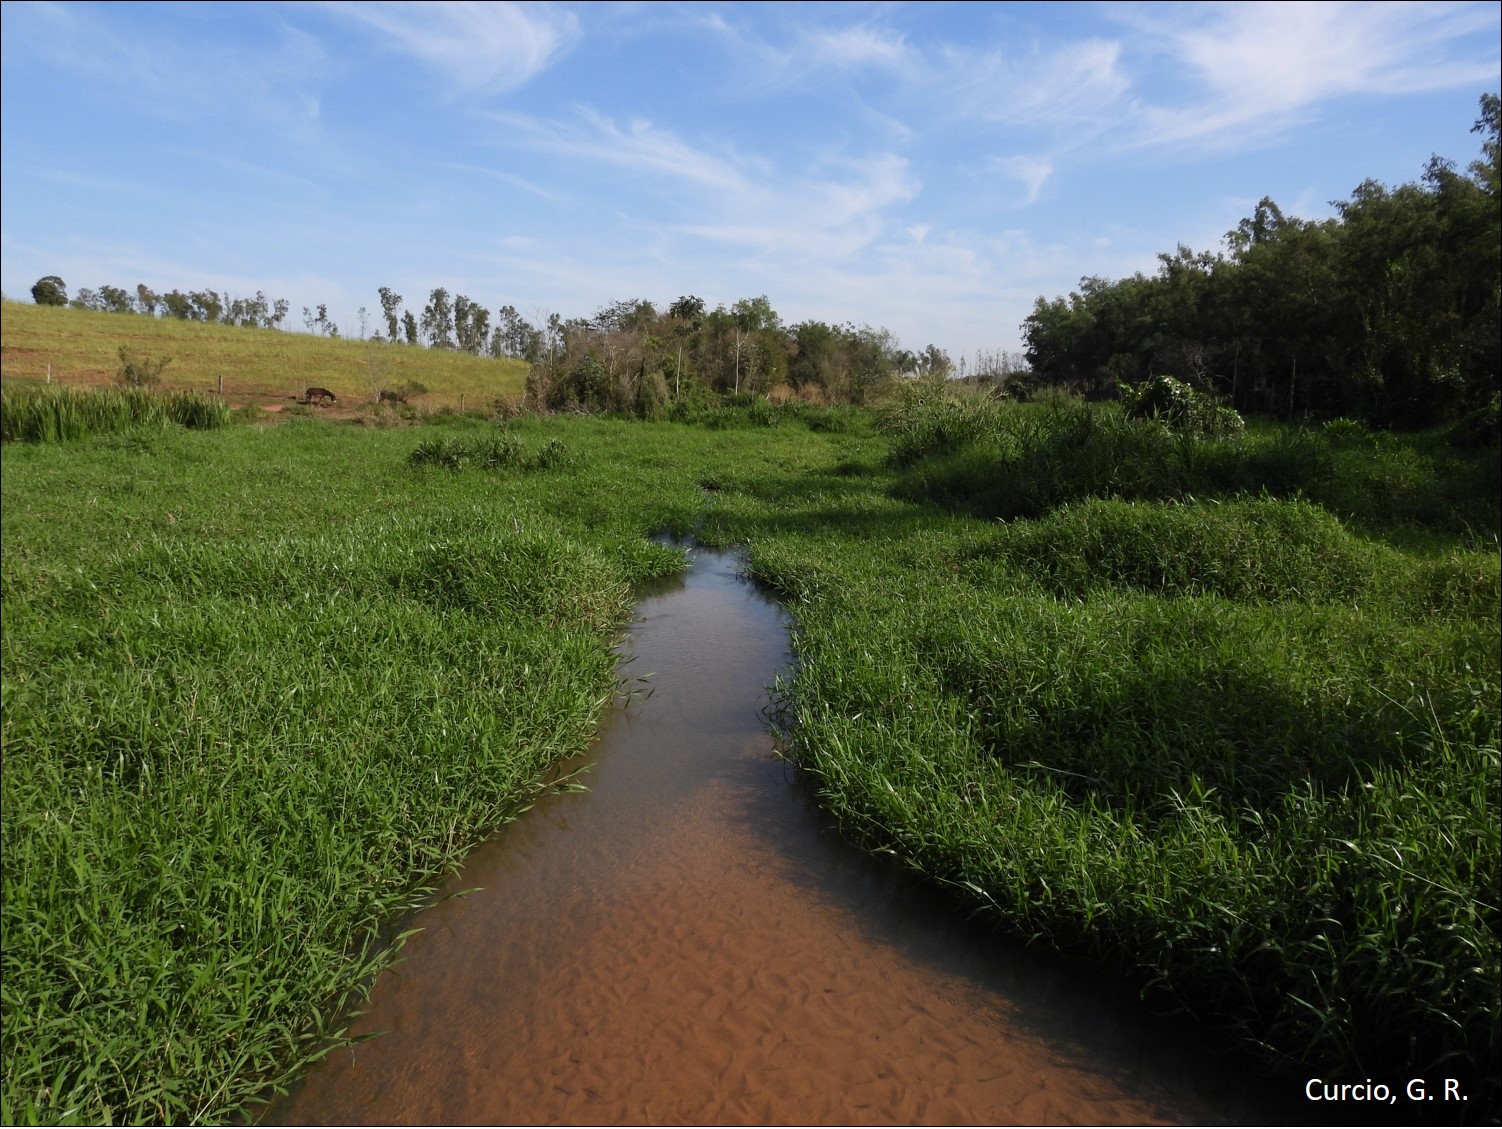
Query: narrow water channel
[[689, 943]]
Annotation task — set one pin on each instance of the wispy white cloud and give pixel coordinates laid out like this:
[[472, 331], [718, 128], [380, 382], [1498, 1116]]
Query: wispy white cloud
[[172, 73], [1262, 67], [487, 46], [833, 208], [1033, 172], [857, 47], [1065, 85]]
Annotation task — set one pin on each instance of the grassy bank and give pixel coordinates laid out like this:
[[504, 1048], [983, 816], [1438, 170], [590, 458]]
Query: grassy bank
[[257, 365], [262, 685], [1238, 747]]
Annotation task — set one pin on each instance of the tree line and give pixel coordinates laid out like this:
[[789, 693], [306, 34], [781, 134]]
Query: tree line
[[1388, 311], [630, 356], [195, 305]]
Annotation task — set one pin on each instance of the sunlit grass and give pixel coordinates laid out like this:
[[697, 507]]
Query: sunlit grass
[[83, 347], [262, 686]]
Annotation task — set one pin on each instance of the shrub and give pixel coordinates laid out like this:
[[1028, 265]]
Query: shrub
[[927, 420], [1181, 407], [446, 452], [554, 454], [499, 451], [140, 372]]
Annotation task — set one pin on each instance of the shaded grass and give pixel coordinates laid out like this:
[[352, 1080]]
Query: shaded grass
[[1281, 816], [1007, 461]]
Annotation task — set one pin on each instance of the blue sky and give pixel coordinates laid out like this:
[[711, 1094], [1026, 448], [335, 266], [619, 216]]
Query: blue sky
[[931, 168]]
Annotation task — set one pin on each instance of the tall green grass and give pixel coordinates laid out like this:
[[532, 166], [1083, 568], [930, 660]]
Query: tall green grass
[[1238, 746], [261, 688], [56, 414], [262, 685], [1001, 460]]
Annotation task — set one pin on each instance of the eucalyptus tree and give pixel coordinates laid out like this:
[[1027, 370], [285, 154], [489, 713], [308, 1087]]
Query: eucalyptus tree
[[471, 325], [687, 315], [391, 304], [438, 320]]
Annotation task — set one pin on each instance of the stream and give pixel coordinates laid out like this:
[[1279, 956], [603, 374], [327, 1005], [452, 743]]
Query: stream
[[689, 942]]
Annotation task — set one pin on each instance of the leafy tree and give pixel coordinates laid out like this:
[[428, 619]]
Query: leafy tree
[[514, 336], [409, 327], [471, 324], [178, 305], [1389, 312], [687, 315], [116, 300], [438, 320], [50, 291], [933, 363], [207, 305], [391, 302], [632, 314], [147, 301]]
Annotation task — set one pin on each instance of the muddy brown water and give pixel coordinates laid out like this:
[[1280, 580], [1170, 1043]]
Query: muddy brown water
[[689, 942]]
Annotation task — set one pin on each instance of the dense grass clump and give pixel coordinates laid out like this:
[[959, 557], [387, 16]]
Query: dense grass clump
[[1284, 816], [499, 450], [225, 768], [55, 414], [1245, 549], [1186, 720], [1009, 461]]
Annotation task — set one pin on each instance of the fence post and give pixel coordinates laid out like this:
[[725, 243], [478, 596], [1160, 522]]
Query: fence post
[[461, 403], [49, 372], [221, 384]]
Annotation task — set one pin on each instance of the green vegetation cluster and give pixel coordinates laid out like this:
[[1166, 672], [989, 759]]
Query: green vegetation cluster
[[1387, 313], [54, 413], [263, 686], [1220, 738]]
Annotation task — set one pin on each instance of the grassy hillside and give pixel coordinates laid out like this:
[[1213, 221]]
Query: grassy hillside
[[259, 366]]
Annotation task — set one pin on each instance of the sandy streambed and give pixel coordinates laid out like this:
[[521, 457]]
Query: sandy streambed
[[688, 943]]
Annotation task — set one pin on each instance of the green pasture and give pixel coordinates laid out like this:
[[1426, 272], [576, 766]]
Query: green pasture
[[82, 347]]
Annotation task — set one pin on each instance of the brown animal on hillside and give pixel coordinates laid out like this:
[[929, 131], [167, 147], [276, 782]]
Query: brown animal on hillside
[[319, 396], [390, 397]]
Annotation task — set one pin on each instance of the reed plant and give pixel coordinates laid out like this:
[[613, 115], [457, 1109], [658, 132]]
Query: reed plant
[[55, 413]]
